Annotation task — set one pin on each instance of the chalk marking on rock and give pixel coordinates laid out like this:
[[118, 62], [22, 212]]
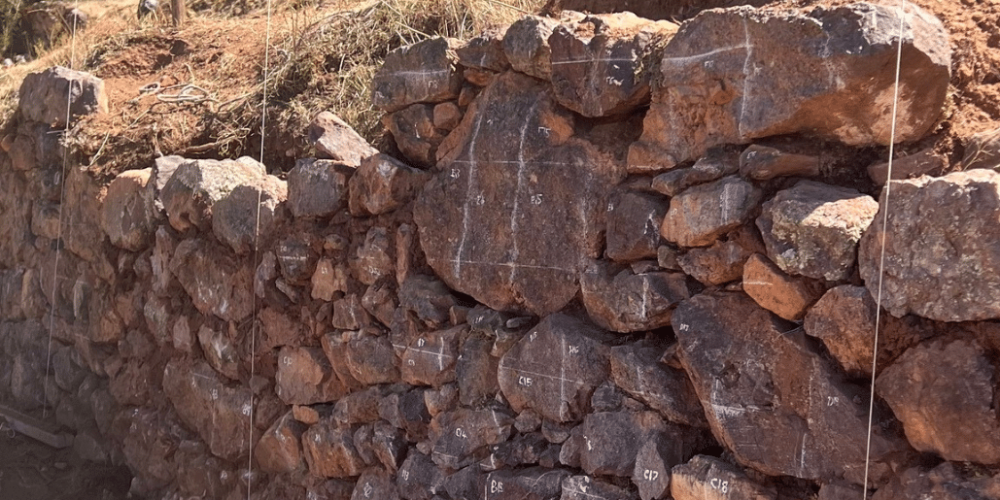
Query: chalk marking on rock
[[439, 355], [802, 453], [504, 264], [680, 60], [426, 72], [562, 375], [457, 261], [758, 283], [747, 87], [521, 167], [582, 61], [645, 297], [537, 374]]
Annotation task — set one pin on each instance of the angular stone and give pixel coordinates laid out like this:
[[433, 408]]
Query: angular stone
[[148, 443], [813, 229], [627, 302], [199, 473], [296, 258], [37, 146], [335, 140], [534, 483], [447, 115], [279, 449], [699, 215], [839, 491], [716, 164], [430, 358], [708, 478], [634, 226], [586, 488], [428, 298], [442, 399], [652, 470], [526, 45], [373, 259], [55, 94], [530, 376], [484, 52], [380, 301], [923, 162], [476, 371], [788, 392], [371, 360], [318, 188], [636, 369], [523, 449], [715, 265], [419, 477], [942, 392], [612, 441], [304, 377], [406, 411], [327, 280], [197, 185], [389, 445], [80, 225], [722, 83], [220, 352], [246, 217], [944, 482], [463, 437], [330, 451], [600, 64], [480, 216], [129, 215], [422, 72], [375, 484], [383, 184], [940, 256], [762, 163], [349, 314], [216, 283], [415, 133], [218, 413], [776, 291]]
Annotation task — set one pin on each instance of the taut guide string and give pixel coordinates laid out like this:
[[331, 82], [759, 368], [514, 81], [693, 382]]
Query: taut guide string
[[62, 199], [881, 263], [256, 249]]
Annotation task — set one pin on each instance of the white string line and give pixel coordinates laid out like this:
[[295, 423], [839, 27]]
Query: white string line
[[256, 249], [881, 264], [62, 199]]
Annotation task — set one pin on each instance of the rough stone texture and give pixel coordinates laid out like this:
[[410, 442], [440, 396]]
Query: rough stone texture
[[942, 392], [430, 358], [776, 291], [716, 164], [923, 162], [586, 488], [708, 478], [611, 441], [484, 52], [720, 263], [699, 215], [463, 436], [422, 72], [382, 184], [636, 369], [55, 94], [763, 163], [652, 470], [530, 376], [479, 218], [305, 377], [218, 413], [36, 146], [634, 226], [129, 215], [624, 302], [940, 254], [249, 213], [197, 185], [526, 45], [219, 352], [813, 229], [373, 259], [416, 134], [600, 65], [370, 359], [826, 72], [757, 378], [216, 283], [535, 483], [330, 451], [944, 482], [317, 188], [279, 449], [334, 139]]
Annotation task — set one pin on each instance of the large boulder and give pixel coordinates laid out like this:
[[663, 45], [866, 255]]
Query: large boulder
[[756, 377], [708, 478], [516, 174], [318, 188], [56, 94], [731, 76], [813, 229], [941, 257], [426, 71], [197, 185], [250, 212], [943, 392]]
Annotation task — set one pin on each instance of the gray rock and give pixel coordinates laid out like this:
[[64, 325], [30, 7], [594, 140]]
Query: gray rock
[[534, 483], [463, 437], [129, 215], [56, 94], [383, 184], [587, 488], [634, 226], [248, 215], [334, 139], [197, 185], [636, 369], [612, 441], [318, 188], [422, 72]]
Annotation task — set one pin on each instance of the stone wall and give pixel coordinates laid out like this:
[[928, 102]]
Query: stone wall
[[615, 259]]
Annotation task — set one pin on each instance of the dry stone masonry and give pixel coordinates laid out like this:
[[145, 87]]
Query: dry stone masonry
[[590, 274]]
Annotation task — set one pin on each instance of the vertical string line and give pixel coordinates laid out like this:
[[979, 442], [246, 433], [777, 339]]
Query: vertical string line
[[62, 199], [256, 250], [881, 263]]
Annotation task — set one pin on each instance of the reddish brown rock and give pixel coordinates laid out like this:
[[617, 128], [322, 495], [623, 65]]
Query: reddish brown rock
[[430, 358], [428, 298], [943, 392], [940, 256], [600, 65], [637, 370], [531, 377], [813, 229], [45, 96], [447, 115], [250, 213], [216, 283], [304, 377], [318, 188], [279, 450], [787, 391], [613, 440], [708, 478], [218, 413], [419, 477], [463, 436], [375, 484], [945, 482], [923, 162], [586, 488], [626, 302], [526, 45], [724, 260], [776, 291], [382, 184], [422, 72], [484, 52], [373, 259], [515, 175], [699, 215], [334, 139], [197, 185], [129, 215], [371, 360], [634, 226], [721, 83], [220, 352], [716, 164], [330, 451], [762, 163], [415, 133], [327, 280], [534, 483]]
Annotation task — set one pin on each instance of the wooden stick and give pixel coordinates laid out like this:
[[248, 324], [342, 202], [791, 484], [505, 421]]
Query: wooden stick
[[179, 12]]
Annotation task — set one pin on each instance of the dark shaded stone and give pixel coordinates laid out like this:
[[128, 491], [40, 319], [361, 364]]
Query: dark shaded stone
[[636, 369], [462, 437], [422, 72], [587, 488], [611, 441], [318, 188], [534, 483], [383, 184], [634, 226], [626, 302], [762, 163], [430, 358]]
